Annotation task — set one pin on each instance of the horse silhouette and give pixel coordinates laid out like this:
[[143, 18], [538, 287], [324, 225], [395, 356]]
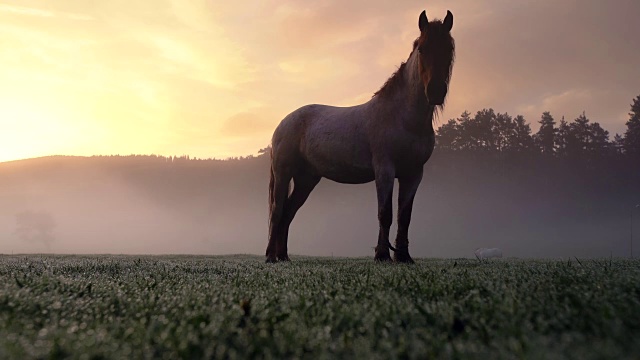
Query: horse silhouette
[[390, 136]]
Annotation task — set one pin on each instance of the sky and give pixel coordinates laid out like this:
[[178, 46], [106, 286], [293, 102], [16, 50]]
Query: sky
[[214, 78]]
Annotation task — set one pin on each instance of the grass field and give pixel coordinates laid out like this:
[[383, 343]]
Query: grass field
[[239, 307]]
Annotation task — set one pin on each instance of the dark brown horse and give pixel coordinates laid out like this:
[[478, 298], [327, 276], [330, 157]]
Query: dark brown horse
[[390, 136]]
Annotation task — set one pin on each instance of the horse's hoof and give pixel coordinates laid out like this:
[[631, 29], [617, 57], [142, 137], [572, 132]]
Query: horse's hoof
[[406, 259], [401, 255], [382, 257], [271, 260], [283, 258]]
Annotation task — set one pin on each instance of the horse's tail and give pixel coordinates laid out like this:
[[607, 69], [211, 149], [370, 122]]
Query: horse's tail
[[271, 199]]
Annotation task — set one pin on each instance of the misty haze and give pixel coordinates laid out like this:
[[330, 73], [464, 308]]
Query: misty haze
[[483, 193]]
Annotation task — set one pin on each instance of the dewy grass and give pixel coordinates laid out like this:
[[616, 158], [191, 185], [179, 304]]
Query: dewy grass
[[239, 307]]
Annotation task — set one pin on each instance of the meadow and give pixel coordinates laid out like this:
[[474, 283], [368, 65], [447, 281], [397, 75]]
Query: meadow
[[238, 307]]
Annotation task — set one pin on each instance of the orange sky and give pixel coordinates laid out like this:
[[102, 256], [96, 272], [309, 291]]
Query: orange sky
[[213, 78]]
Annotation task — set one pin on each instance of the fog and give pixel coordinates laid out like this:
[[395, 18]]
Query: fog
[[156, 205]]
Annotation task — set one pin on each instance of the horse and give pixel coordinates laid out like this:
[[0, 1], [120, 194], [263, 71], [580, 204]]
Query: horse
[[390, 136]]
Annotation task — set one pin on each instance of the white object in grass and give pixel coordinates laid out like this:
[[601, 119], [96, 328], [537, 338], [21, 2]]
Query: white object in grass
[[486, 253]]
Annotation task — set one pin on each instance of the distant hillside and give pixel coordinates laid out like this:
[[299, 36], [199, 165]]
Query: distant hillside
[[531, 206]]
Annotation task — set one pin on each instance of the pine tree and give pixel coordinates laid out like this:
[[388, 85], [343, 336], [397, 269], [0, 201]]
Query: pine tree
[[448, 136], [482, 130], [545, 137], [632, 134], [563, 136], [578, 139], [522, 139], [586, 139], [618, 144], [465, 129], [580, 127], [503, 132], [598, 144]]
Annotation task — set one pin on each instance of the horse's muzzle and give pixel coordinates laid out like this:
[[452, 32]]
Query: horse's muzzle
[[436, 92]]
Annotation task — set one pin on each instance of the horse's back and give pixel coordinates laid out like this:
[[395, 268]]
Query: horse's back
[[293, 124], [331, 141], [289, 134]]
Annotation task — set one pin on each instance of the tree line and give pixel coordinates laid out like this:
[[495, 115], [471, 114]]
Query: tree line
[[491, 132]]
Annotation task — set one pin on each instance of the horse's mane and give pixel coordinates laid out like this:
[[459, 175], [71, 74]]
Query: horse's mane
[[393, 83], [397, 78]]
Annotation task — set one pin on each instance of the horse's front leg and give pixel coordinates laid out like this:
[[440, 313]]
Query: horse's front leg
[[385, 176], [407, 188]]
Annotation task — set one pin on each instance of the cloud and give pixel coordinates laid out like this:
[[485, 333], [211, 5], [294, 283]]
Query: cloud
[[521, 53], [21, 10], [178, 71], [250, 123], [33, 11]]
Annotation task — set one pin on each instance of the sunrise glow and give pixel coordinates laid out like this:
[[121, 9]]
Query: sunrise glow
[[207, 79]]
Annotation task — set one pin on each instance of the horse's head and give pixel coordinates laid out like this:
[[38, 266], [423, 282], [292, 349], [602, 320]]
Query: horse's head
[[437, 50]]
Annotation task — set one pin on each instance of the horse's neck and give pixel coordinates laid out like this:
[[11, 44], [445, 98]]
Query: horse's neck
[[414, 96], [407, 101]]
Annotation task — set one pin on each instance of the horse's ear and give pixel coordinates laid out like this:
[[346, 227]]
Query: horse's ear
[[423, 22], [448, 21]]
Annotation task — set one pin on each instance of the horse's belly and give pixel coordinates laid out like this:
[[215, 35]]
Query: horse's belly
[[342, 160], [341, 167], [350, 177]]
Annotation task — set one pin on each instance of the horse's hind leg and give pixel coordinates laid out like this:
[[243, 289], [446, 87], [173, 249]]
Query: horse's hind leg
[[303, 184], [279, 191]]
